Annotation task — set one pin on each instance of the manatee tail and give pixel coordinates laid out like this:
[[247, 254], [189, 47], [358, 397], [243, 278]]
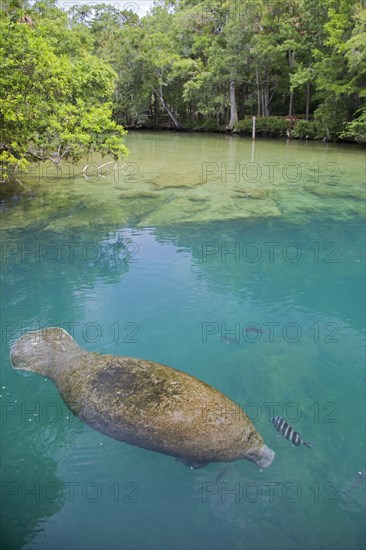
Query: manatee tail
[[308, 444]]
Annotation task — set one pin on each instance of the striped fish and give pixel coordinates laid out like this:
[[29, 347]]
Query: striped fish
[[289, 433]]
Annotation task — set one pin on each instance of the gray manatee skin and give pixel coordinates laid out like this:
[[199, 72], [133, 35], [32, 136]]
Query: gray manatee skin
[[142, 402]]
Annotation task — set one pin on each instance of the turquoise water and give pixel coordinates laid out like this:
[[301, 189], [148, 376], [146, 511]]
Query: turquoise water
[[173, 293]]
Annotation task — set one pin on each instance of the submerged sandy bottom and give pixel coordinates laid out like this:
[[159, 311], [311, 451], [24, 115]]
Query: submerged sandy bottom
[[180, 178]]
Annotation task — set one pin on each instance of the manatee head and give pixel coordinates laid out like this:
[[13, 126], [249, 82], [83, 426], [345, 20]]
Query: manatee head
[[40, 351], [262, 456]]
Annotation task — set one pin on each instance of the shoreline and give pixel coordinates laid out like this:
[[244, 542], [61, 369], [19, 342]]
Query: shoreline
[[235, 134]]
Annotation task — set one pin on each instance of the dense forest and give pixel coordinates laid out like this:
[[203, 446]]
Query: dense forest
[[71, 81]]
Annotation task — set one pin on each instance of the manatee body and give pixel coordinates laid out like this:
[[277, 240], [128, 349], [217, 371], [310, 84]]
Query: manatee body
[[143, 403]]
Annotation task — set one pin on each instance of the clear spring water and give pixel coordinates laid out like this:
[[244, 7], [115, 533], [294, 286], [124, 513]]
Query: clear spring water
[[113, 261]]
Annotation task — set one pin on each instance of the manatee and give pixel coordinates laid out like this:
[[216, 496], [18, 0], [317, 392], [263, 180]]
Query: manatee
[[143, 403]]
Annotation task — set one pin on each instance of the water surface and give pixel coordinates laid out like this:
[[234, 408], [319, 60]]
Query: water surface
[[173, 268]]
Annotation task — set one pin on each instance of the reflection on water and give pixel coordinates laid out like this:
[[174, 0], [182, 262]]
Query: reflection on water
[[184, 295], [171, 178]]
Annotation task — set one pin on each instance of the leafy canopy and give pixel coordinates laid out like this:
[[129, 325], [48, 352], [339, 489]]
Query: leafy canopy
[[56, 95]]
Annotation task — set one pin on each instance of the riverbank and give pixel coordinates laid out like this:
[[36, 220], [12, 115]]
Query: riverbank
[[266, 127]]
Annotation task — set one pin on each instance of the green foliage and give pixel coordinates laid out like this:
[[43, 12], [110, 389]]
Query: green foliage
[[68, 80], [332, 116], [356, 130], [55, 104], [341, 66], [307, 129], [198, 61], [268, 126]]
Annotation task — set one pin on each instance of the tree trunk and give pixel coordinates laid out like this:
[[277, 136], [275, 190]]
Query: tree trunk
[[291, 62], [156, 110], [233, 106], [243, 103], [265, 95], [308, 86], [291, 104], [266, 102], [166, 108], [258, 92]]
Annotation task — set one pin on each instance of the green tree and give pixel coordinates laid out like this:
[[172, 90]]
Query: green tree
[[55, 104], [339, 79], [355, 53], [187, 62]]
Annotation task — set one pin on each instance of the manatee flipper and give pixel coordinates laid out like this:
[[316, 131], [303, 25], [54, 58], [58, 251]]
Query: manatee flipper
[[193, 464], [143, 403]]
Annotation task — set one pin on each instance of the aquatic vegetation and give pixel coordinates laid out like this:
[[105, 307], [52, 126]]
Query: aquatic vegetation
[[216, 181]]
